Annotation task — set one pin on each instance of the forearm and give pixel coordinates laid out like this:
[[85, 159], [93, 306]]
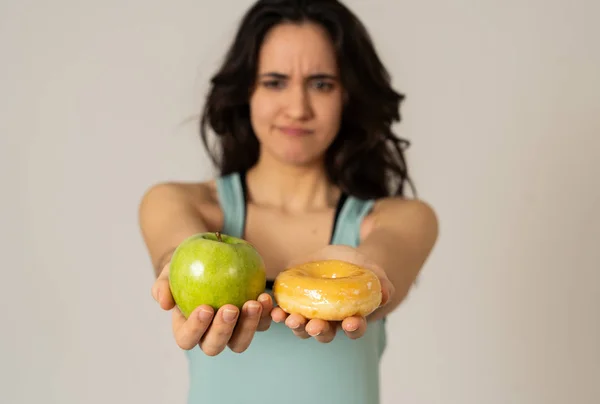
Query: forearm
[[167, 217], [400, 265], [163, 260], [399, 243]]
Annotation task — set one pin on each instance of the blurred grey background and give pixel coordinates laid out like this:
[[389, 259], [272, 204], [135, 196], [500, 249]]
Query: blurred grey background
[[98, 100]]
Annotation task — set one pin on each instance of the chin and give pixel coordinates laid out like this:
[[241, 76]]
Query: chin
[[294, 153], [300, 159]]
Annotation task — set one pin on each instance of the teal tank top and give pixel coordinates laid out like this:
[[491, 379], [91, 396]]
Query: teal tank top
[[278, 367]]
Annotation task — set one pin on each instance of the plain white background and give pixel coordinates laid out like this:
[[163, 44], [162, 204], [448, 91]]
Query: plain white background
[[99, 100]]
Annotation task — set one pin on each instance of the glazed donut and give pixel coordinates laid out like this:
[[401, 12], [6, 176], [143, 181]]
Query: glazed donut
[[329, 290]]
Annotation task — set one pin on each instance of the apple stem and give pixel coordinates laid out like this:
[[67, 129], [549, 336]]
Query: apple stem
[[219, 237]]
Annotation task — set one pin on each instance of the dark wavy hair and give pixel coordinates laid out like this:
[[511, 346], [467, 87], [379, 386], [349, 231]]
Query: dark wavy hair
[[365, 159]]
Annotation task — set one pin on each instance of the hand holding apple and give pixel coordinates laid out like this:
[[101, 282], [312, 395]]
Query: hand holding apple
[[209, 273], [215, 269]]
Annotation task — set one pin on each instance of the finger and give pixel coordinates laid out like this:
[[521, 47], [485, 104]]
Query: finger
[[354, 327], [297, 323], [278, 315], [267, 306], [246, 327], [218, 334], [161, 291], [387, 290], [321, 330], [162, 294], [188, 332]]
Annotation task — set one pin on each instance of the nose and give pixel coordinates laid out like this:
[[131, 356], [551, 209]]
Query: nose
[[298, 104]]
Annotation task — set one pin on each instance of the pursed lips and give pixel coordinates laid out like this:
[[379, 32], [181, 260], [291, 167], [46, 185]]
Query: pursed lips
[[295, 131]]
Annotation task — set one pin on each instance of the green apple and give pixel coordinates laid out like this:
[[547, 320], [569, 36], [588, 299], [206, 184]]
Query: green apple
[[215, 269]]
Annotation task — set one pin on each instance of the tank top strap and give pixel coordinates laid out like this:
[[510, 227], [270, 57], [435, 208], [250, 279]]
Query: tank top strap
[[232, 199], [347, 229], [233, 203]]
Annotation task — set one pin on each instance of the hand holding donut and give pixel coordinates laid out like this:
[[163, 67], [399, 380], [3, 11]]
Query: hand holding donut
[[336, 286]]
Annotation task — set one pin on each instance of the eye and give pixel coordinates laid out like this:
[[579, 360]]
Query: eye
[[322, 85], [274, 84]]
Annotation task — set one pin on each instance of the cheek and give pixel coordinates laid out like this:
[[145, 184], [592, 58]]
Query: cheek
[[263, 110], [330, 114]]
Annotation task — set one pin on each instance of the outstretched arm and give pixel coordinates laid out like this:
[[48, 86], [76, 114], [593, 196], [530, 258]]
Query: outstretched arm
[[168, 215], [166, 218], [399, 238]]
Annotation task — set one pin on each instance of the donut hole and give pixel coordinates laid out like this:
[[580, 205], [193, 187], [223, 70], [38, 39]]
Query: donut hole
[[331, 270], [336, 275]]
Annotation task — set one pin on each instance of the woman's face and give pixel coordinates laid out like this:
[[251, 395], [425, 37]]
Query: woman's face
[[296, 105]]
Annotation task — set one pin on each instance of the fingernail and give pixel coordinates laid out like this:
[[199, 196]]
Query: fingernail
[[294, 325], [351, 327], [204, 315], [229, 315], [263, 299], [253, 309]]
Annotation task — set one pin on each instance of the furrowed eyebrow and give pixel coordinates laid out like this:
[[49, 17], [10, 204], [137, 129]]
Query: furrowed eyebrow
[[274, 75], [280, 76], [322, 76]]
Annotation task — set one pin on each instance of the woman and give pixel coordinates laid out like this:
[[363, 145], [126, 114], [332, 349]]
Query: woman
[[309, 168]]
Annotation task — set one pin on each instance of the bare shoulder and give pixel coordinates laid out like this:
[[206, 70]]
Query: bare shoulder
[[185, 193], [172, 211], [192, 198], [174, 188], [403, 206], [403, 215]]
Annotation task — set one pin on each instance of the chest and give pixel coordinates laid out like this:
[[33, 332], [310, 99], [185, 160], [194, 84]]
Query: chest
[[281, 237]]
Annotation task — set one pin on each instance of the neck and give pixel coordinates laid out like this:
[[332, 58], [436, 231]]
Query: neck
[[290, 188]]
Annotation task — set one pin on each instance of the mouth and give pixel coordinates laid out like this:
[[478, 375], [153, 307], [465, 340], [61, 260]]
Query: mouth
[[295, 131]]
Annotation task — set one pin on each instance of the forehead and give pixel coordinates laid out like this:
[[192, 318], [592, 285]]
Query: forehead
[[297, 49]]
